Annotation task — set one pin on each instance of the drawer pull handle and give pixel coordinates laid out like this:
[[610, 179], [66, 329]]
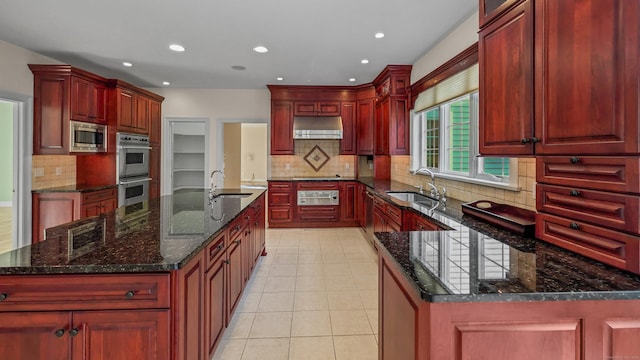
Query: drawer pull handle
[[73, 332], [130, 294], [237, 241], [4, 296], [237, 227], [219, 247], [59, 332], [574, 159], [574, 226], [574, 193]]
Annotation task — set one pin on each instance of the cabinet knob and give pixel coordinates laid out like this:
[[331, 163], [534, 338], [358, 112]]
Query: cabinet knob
[[59, 332], [574, 226], [574, 159], [237, 227], [220, 246], [524, 140], [74, 332], [4, 296], [535, 140], [130, 294], [574, 193], [227, 262], [237, 241]]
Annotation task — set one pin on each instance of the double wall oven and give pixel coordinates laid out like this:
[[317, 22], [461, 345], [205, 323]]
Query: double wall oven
[[132, 168]]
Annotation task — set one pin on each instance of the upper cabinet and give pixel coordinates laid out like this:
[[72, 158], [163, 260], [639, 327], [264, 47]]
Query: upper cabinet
[[316, 108], [281, 127], [490, 9], [392, 111], [63, 93], [348, 143], [584, 79], [365, 120], [135, 110]]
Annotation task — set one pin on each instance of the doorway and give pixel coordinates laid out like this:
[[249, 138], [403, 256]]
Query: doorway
[[186, 160], [15, 167], [243, 147]]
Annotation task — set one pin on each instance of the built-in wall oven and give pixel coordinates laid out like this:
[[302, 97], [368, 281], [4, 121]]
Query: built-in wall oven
[[132, 164]]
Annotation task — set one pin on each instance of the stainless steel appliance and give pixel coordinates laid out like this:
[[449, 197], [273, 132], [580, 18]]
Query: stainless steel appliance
[[318, 197], [87, 137], [132, 164]]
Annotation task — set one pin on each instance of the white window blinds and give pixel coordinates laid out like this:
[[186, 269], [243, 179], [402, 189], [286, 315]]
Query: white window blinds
[[454, 86]]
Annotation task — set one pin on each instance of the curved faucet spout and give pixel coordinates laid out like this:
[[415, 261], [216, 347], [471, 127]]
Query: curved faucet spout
[[212, 184], [427, 170]]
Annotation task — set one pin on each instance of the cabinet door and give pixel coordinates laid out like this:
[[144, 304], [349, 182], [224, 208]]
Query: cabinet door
[[304, 108], [35, 335], [155, 122], [282, 128], [379, 222], [137, 334], [490, 9], [141, 113], [235, 280], [215, 304], [506, 84], [348, 142], [587, 76], [93, 209], [98, 109], [328, 108], [382, 127], [50, 114], [108, 205], [348, 201], [154, 172], [81, 99], [365, 126], [188, 309], [126, 110], [52, 209], [398, 141]]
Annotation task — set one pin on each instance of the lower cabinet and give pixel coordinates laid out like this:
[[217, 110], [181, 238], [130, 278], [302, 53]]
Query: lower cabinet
[[412, 328]]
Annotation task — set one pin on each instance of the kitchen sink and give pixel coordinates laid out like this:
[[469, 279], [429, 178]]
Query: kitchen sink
[[412, 197]]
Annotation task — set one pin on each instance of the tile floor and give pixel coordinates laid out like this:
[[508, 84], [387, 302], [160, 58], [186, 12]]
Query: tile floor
[[314, 296]]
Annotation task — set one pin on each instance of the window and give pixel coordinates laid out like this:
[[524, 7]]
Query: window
[[445, 132]]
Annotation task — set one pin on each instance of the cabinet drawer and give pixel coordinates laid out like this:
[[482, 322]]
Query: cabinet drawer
[[421, 224], [616, 211], [394, 213], [322, 185], [608, 246], [84, 292], [280, 198], [236, 227], [317, 213], [281, 186], [379, 203], [95, 196], [609, 173], [280, 215], [214, 250]]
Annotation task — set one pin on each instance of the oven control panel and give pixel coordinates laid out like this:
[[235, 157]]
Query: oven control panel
[[318, 197]]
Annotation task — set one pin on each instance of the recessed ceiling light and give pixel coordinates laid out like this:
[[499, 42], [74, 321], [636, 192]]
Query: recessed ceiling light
[[260, 49], [238, 67], [352, 79], [166, 83], [279, 78], [379, 35], [364, 61], [127, 64], [176, 47]]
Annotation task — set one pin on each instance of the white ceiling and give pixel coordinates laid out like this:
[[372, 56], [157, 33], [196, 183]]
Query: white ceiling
[[310, 42]]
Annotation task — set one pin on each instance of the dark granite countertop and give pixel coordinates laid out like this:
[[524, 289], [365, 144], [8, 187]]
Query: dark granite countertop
[[310, 178], [74, 188], [476, 261], [159, 235]]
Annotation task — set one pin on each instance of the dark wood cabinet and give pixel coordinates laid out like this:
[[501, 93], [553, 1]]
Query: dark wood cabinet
[[491, 9], [136, 110], [35, 336], [154, 171], [281, 202], [125, 110], [386, 217], [381, 128], [215, 315], [282, 128], [348, 144], [141, 119], [392, 111], [317, 108], [349, 202], [506, 84], [88, 100], [415, 222], [188, 309], [235, 281], [366, 126]]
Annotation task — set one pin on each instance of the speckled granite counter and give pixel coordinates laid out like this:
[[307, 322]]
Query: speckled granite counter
[[159, 235], [476, 261], [74, 188]]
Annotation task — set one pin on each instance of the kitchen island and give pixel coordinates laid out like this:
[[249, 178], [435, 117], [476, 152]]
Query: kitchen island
[[479, 292], [156, 280]]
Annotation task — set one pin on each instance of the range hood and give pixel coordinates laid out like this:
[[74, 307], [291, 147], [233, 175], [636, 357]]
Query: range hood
[[317, 127]]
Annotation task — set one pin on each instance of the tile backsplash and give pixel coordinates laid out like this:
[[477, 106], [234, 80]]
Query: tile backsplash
[[296, 166], [52, 170], [463, 191]]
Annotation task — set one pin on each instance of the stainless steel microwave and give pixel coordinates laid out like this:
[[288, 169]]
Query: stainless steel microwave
[[87, 137]]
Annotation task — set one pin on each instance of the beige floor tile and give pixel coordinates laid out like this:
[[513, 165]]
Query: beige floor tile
[[337, 269], [291, 241], [367, 282], [369, 299], [266, 349], [249, 302], [358, 257], [310, 258], [376, 336], [356, 347], [334, 258], [286, 259], [310, 283], [280, 283], [344, 282], [286, 250], [232, 349], [363, 268], [276, 301], [310, 269], [283, 270], [311, 323], [311, 348], [344, 300], [256, 284], [372, 314], [350, 322], [310, 300], [271, 324], [240, 326]]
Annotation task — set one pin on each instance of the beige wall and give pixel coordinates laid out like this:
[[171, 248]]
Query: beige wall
[[15, 76], [217, 105], [253, 153], [232, 154]]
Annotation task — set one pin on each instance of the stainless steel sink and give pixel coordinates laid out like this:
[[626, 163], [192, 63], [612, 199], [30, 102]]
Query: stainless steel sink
[[412, 197]]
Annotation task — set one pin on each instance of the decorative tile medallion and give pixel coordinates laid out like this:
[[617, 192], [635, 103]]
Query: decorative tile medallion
[[317, 158]]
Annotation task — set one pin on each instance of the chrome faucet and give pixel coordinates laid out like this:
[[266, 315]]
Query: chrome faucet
[[434, 189], [212, 184]]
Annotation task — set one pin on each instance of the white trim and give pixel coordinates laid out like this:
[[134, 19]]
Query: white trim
[[504, 186], [6, 203], [167, 167]]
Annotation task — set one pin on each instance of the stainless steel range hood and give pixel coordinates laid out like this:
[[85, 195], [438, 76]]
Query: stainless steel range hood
[[317, 127]]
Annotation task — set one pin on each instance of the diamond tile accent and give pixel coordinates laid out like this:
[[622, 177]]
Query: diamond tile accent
[[317, 158]]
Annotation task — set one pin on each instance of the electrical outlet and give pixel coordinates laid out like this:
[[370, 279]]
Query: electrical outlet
[[58, 171], [38, 172], [371, 165], [287, 166], [347, 166]]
